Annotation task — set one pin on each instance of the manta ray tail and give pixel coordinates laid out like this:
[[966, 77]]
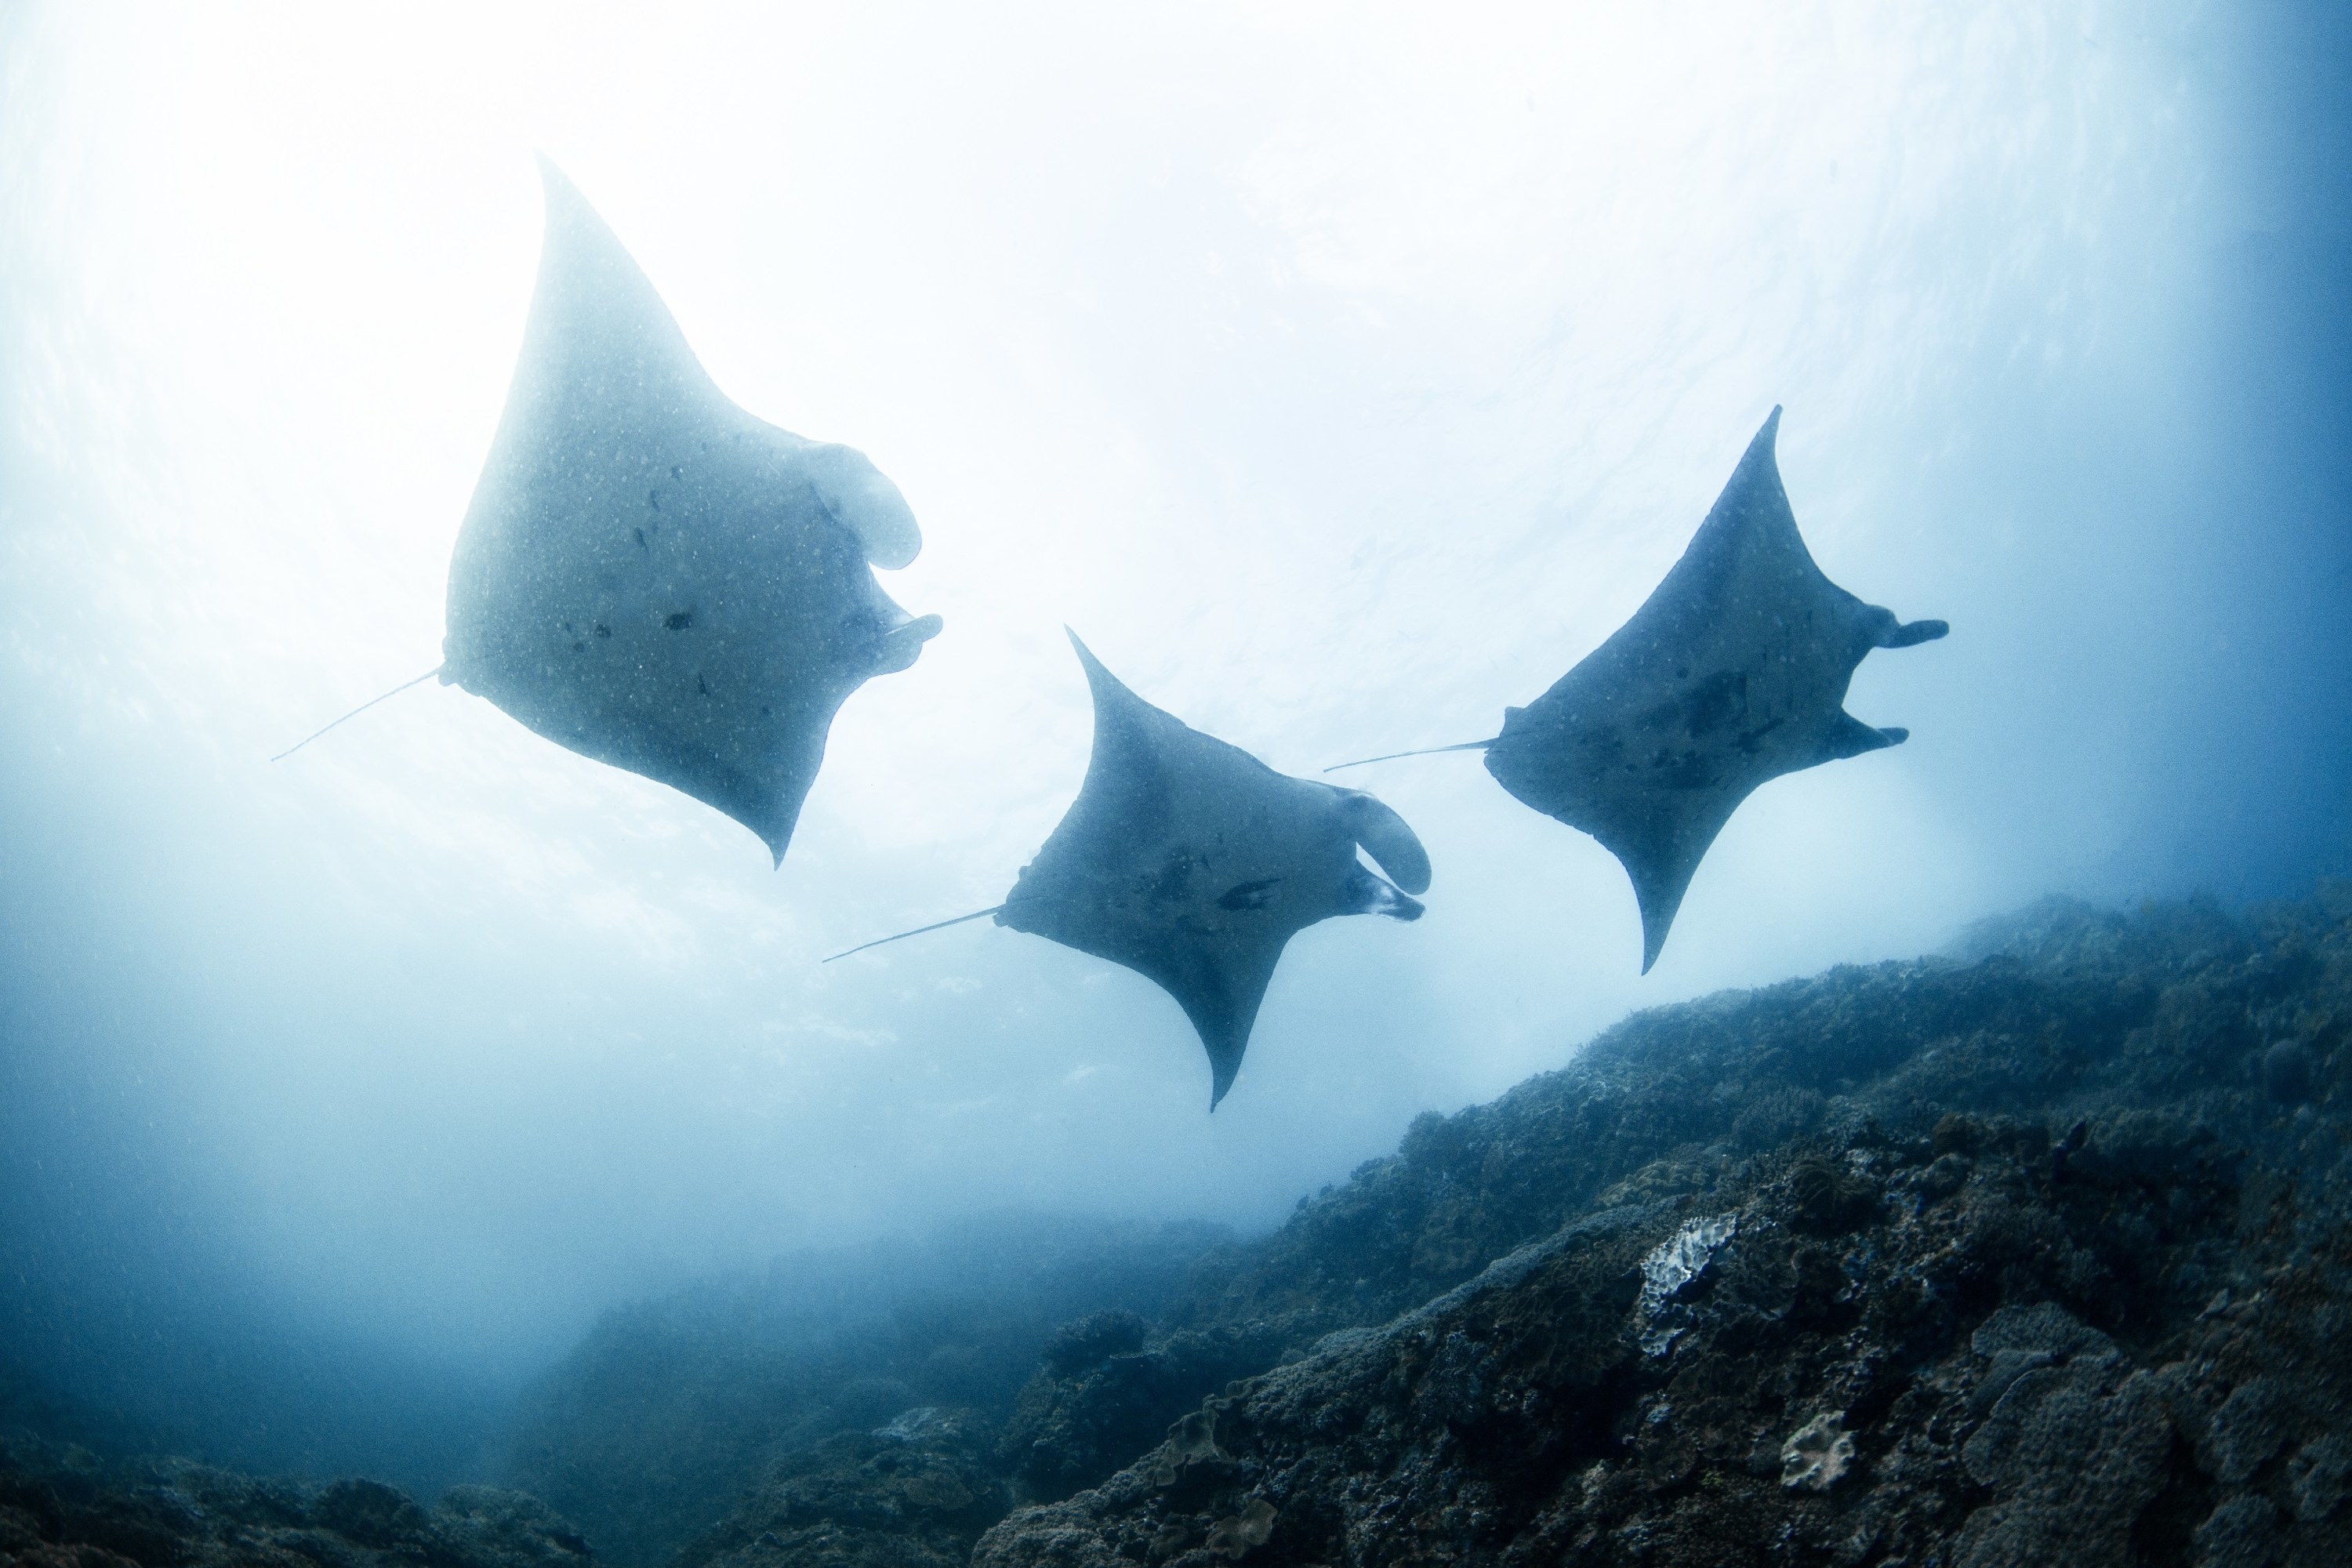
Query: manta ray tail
[[1425, 752], [356, 712], [936, 925]]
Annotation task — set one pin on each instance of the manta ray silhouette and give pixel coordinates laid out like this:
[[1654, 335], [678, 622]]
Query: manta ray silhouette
[[1192, 863], [1732, 673], [652, 578]]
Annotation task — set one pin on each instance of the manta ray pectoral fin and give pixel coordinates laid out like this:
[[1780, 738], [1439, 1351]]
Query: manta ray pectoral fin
[[1221, 1073], [862, 498], [1107, 690], [1225, 1036], [1661, 859], [1661, 899], [1910, 634], [1392, 845], [1219, 992]]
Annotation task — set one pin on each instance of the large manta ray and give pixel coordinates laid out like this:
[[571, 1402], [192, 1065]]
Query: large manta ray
[[1192, 863], [653, 577], [1732, 673]]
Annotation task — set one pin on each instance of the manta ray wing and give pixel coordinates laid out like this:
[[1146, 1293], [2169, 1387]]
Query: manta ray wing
[[653, 577], [1192, 863], [1732, 673]]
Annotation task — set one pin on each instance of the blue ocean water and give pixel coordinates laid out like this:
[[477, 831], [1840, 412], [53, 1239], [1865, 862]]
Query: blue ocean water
[[1341, 380]]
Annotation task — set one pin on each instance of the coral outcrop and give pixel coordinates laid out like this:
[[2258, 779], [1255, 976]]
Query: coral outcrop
[[2037, 1253], [2041, 1254], [66, 1508], [914, 1494], [671, 1412]]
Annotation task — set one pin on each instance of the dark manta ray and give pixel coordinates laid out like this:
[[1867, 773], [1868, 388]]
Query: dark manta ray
[[1732, 673], [1192, 863], [651, 576]]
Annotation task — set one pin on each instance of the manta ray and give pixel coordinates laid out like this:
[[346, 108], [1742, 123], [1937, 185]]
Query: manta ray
[[1733, 672], [1190, 862], [649, 575]]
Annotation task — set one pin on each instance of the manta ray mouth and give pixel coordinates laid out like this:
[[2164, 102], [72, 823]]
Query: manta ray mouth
[[1378, 896]]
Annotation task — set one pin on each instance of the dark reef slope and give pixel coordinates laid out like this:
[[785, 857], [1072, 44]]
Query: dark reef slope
[[66, 1508], [670, 1411], [2037, 1254], [2037, 1257]]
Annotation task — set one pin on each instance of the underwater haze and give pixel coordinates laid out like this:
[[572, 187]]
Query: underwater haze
[[1340, 376]]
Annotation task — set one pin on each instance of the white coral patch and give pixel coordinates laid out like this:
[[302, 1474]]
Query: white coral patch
[[1681, 1258], [1817, 1452]]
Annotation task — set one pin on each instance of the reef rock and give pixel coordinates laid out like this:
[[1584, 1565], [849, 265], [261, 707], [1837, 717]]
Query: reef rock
[[914, 1493], [66, 1508], [2019, 1257], [670, 1414], [1099, 1401]]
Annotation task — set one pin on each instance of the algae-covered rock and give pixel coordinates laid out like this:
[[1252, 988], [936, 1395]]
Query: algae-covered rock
[[1091, 1407], [914, 1493], [66, 1508], [2037, 1254], [2033, 1252], [673, 1411]]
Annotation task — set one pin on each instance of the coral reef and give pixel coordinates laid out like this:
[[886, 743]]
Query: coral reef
[[66, 1508], [2037, 1252], [914, 1494], [1099, 1401], [673, 1411], [2041, 1254]]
